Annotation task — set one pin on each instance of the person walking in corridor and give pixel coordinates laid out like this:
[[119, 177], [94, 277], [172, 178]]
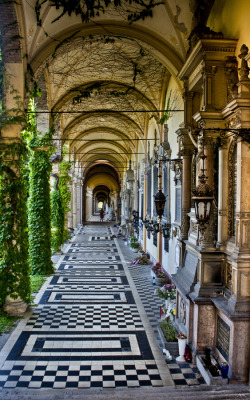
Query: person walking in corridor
[[101, 214]]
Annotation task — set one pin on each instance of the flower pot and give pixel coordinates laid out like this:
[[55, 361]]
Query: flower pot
[[182, 346], [224, 370], [159, 281]]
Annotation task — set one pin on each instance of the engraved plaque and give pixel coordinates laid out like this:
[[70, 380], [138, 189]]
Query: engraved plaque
[[178, 205], [223, 338]]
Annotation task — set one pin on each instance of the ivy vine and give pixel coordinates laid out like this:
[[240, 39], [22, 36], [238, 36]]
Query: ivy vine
[[14, 267], [64, 188], [133, 10], [57, 220], [39, 212]]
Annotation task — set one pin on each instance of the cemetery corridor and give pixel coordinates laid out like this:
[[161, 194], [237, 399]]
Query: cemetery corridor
[[95, 324]]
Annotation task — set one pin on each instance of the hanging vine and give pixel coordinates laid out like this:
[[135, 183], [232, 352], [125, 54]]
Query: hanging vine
[[64, 189], [57, 220], [14, 267], [39, 213], [132, 10]]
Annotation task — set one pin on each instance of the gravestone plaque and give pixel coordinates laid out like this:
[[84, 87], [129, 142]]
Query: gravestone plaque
[[223, 338], [178, 205]]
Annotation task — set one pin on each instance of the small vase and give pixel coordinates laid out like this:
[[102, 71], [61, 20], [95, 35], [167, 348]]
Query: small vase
[[182, 346], [224, 370]]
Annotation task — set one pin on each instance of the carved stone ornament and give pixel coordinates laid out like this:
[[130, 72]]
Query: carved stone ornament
[[176, 166], [244, 70], [235, 121], [231, 71], [182, 311], [227, 276]]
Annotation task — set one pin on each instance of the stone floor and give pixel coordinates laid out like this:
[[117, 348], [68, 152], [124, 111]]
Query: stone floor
[[94, 326]]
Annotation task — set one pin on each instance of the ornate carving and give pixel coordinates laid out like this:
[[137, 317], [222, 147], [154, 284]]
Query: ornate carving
[[176, 166], [235, 121], [184, 223], [244, 70], [231, 155], [227, 276], [231, 71], [209, 70], [182, 311]]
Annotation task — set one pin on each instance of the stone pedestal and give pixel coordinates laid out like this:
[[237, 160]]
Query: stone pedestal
[[15, 307]]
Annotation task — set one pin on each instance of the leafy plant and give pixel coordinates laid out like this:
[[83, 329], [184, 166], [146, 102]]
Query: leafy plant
[[39, 213], [14, 268], [169, 331], [36, 282], [7, 322], [134, 245], [57, 220]]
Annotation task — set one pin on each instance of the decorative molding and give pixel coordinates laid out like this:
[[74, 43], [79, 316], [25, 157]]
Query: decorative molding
[[242, 214], [231, 72], [195, 74]]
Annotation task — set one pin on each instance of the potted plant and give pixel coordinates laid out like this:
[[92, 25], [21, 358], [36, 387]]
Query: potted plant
[[135, 246], [167, 333]]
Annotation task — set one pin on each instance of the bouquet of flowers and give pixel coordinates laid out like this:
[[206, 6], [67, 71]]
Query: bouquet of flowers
[[167, 292], [181, 336]]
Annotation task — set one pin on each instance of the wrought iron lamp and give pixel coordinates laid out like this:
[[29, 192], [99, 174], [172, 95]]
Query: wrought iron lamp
[[203, 198], [160, 200], [156, 228], [166, 231]]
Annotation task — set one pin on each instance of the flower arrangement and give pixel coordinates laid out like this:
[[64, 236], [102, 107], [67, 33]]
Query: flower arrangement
[[157, 268], [181, 336], [167, 292]]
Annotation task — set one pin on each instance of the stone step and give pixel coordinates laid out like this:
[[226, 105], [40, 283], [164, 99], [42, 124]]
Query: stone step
[[229, 392]]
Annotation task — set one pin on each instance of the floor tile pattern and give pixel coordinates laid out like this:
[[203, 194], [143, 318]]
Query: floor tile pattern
[[182, 373], [86, 330]]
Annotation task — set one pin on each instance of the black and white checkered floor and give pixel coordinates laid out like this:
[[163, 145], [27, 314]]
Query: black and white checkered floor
[[90, 328]]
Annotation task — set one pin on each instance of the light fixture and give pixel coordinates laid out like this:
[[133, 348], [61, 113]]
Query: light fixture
[[203, 198], [160, 200], [166, 231], [156, 227]]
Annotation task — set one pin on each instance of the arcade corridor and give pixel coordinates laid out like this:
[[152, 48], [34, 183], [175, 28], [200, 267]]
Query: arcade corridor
[[90, 327]]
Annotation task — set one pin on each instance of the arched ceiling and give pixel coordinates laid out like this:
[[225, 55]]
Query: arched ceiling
[[105, 78]]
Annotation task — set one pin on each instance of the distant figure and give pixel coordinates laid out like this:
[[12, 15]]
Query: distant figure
[[101, 214]]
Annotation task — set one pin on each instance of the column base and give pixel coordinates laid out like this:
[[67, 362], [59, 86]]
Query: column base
[[15, 307]]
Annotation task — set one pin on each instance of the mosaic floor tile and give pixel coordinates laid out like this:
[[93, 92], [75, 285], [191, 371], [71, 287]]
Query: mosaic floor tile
[[87, 330]]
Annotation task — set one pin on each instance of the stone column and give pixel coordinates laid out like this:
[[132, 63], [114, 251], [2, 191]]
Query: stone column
[[145, 197], [186, 194], [222, 195], [74, 202], [240, 299], [70, 213], [205, 144], [78, 201]]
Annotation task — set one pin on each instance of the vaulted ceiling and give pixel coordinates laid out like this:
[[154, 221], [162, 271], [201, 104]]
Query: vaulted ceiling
[[107, 77]]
